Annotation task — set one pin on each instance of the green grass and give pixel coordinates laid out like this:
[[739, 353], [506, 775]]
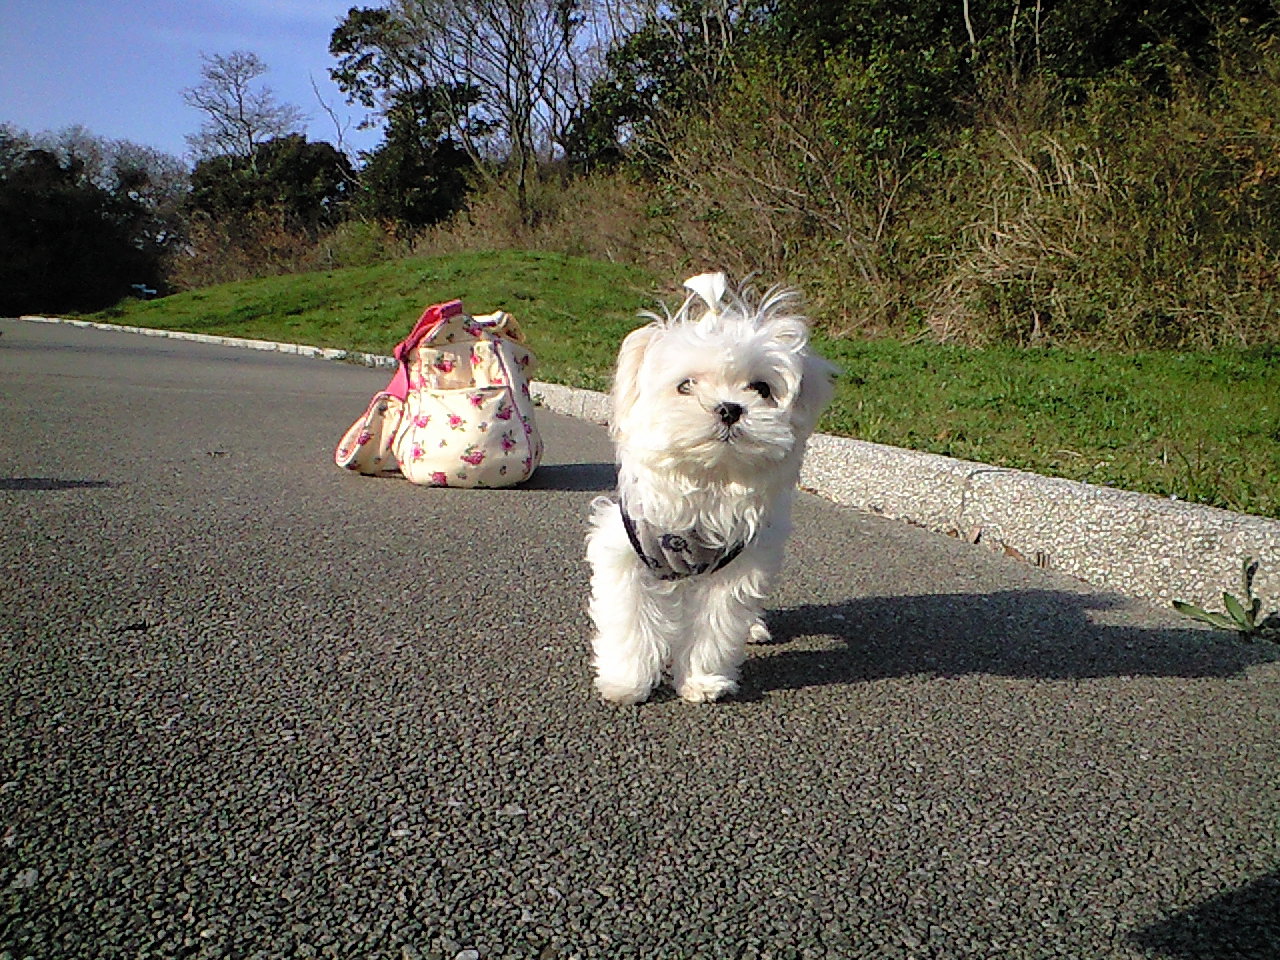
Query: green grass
[[573, 310], [1204, 427]]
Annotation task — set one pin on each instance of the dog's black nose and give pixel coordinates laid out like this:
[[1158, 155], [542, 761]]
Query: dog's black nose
[[730, 413]]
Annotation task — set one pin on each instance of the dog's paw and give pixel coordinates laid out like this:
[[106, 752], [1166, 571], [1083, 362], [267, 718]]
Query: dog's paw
[[622, 692], [759, 633], [707, 688]]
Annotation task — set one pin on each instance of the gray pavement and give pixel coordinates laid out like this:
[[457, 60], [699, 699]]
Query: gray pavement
[[259, 707], [1136, 544]]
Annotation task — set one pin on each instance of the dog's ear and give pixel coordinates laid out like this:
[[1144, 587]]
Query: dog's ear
[[626, 377], [817, 385]]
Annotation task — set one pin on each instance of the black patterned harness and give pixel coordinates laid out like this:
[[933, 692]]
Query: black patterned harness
[[675, 556]]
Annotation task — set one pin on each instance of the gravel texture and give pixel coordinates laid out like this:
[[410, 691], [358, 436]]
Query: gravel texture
[[259, 707]]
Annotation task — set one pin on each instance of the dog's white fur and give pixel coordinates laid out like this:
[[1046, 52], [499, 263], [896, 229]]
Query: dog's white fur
[[683, 467]]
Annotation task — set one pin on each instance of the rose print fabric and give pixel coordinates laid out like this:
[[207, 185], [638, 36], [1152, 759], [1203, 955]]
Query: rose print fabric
[[467, 417], [366, 446]]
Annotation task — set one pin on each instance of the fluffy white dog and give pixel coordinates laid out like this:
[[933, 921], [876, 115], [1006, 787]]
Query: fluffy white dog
[[711, 411]]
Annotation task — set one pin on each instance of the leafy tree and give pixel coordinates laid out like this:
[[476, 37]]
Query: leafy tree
[[384, 64], [671, 64], [923, 61], [378, 61], [418, 175], [901, 74], [77, 232], [310, 182]]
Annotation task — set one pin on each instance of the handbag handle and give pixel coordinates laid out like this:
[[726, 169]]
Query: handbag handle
[[427, 324]]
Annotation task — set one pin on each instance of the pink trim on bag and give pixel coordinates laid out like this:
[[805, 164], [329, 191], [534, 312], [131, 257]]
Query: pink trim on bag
[[432, 318]]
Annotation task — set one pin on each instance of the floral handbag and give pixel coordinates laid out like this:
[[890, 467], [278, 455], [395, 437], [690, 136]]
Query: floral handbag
[[458, 412]]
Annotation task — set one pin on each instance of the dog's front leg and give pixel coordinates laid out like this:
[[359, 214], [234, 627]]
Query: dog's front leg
[[705, 667], [632, 615], [629, 645]]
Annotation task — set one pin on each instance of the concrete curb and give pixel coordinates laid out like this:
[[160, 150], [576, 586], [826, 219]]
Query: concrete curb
[[1134, 544], [320, 353]]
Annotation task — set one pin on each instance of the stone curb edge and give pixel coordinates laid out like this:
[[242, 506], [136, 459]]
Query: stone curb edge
[[1135, 544]]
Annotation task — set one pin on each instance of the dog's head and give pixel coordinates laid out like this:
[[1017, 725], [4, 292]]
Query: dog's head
[[725, 385]]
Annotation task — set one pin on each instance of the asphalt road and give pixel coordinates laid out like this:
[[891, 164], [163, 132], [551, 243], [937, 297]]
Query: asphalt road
[[257, 707]]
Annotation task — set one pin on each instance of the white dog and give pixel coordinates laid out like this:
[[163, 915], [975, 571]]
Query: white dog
[[711, 411]]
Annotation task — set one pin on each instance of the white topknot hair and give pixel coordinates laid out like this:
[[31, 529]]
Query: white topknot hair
[[715, 306]]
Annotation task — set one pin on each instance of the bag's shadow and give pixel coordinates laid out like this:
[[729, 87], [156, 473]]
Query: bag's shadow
[[590, 477], [50, 483], [1034, 633]]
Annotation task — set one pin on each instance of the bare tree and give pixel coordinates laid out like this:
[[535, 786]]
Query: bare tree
[[507, 78], [702, 36], [238, 117], [340, 126], [495, 60], [512, 73]]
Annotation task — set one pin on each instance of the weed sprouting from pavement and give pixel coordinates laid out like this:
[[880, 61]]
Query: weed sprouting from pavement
[[1242, 614]]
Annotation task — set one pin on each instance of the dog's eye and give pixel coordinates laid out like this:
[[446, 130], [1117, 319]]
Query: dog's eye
[[685, 387], [761, 388]]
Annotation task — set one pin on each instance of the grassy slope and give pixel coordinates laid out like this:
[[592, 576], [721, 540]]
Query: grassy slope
[[1204, 427], [573, 310]]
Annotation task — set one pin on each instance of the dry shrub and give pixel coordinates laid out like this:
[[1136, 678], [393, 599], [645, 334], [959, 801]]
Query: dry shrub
[[360, 243], [262, 244], [1041, 211], [778, 181], [605, 216], [258, 244], [1135, 221]]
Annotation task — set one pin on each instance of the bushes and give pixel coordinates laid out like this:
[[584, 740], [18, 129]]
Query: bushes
[[1116, 217], [787, 177], [1114, 211], [264, 244], [1136, 220], [605, 216], [68, 243]]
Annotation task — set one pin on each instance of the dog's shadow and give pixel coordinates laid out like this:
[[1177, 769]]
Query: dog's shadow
[[1035, 633], [1244, 922]]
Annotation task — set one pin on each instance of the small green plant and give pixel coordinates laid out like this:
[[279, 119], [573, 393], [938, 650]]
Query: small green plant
[[1242, 615]]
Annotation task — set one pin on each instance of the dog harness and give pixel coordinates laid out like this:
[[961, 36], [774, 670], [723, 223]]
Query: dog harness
[[675, 556]]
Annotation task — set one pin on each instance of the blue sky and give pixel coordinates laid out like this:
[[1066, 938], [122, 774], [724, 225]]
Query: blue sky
[[119, 68]]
